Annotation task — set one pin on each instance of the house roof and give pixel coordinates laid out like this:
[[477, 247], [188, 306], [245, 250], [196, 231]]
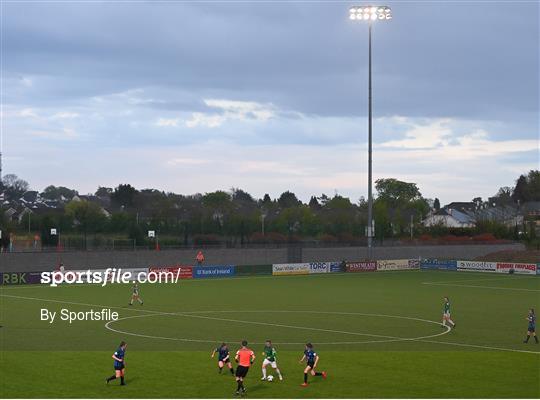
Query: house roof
[[531, 206], [30, 197], [461, 217], [461, 206]]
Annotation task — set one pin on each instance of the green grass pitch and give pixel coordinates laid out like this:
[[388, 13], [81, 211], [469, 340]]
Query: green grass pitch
[[377, 334]]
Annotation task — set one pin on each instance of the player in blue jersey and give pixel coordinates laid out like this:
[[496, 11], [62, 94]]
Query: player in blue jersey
[[224, 357], [312, 359], [119, 363], [531, 330]]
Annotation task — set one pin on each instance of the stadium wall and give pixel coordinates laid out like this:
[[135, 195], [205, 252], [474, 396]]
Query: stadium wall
[[464, 252], [30, 262]]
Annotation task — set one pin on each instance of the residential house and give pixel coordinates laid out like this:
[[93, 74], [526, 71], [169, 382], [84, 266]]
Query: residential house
[[450, 218]]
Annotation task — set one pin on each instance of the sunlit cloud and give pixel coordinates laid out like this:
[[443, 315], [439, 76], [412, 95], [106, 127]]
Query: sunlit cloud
[[228, 110], [62, 134], [168, 122], [64, 115], [186, 161], [433, 134], [24, 113], [205, 120]]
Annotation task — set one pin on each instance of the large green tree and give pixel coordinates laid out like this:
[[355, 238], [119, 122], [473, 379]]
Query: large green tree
[[14, 187], [57, 192], [396, 202], [86, 216], [123, 196]]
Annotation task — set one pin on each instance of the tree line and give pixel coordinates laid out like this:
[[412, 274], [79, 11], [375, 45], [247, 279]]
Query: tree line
[[236, 217]]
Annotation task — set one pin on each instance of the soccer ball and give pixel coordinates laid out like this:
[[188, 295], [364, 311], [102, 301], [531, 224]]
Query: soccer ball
[[270, 378]]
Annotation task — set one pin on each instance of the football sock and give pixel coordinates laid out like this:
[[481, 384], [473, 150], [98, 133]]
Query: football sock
[[239, 386], [279, 373], [264, 373], [318, 373], [220, 369], [232, 371], [305, 377], [122, 381], [111, 378], [527, 338]]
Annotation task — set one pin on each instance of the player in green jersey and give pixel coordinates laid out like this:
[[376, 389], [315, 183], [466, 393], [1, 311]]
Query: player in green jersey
[[446, 314], [135, 295], [269, 355]]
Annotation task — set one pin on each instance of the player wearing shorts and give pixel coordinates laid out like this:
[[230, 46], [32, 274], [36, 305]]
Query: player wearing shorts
[[312, 359], [119, 363], [531, 330], [224, 357], [135, 294], [244, 357], [446, 314], [269, 355]]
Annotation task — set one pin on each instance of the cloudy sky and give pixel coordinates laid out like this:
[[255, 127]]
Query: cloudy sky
[[269, 96]]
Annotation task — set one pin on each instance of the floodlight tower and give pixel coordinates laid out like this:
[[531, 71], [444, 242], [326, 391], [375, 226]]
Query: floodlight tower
[[370, 14]]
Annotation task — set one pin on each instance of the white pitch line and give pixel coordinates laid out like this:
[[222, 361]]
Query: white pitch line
[[190, 314], [481, 287], [160, 312], [481, 347], [387, 340], [502, 278], [80, 304]]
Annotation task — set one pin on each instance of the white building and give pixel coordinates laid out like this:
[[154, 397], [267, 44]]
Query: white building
[[449, 218]]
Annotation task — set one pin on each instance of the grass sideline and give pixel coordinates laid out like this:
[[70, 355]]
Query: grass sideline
[[383, 328]]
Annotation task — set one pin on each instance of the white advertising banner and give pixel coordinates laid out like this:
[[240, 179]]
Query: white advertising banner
[[518, 268], [290, 269], [477, 266], [396, 265]]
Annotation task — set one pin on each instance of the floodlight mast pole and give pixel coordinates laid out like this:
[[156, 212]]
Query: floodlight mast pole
[[370, 156], [370, 14]]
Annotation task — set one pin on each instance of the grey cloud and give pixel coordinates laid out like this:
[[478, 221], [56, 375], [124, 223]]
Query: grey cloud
[[433, 59]]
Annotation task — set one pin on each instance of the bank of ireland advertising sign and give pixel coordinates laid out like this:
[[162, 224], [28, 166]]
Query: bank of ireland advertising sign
[[476, 266], [518, 268], [290, 269], [213, 271], [319, 268]]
